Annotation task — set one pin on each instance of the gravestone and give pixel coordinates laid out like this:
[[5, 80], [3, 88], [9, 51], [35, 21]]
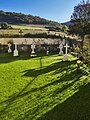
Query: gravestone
[[33, 50], [66, 55], [61, 47], [63, 42], [22, 48], [9, 48], [47, 52], [15, 51]]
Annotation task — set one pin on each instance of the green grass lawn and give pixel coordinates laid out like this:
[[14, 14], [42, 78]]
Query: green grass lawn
[[27, 27], [43, 88]]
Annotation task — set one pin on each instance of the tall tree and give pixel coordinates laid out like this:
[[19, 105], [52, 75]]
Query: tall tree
[[81, 19]]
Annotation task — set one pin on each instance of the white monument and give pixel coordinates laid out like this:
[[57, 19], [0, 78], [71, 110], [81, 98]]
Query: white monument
[[47, 52], [61, 47], [22, 48], [63, 42], [66, 55], [33, 52], [15, 51], [9, 48]]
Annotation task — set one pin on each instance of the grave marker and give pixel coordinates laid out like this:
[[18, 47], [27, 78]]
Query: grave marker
[[15, 51], [33, 52], [61, 47], [9, 48], [47, 52], [66, 55]]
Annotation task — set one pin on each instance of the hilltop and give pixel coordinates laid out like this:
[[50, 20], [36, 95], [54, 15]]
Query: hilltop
[[20, 18]]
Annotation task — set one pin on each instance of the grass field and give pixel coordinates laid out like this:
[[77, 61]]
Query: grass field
[[32, 29], [27, 27], [43, 88]]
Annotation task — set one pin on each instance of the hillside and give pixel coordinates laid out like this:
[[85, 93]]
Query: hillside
[[19, 18], [68, 23]]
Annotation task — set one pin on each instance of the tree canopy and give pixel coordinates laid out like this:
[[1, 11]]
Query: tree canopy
[[81, 19]]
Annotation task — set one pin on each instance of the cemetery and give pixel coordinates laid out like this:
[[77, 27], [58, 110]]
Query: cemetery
[[33, 82], [45, 67]]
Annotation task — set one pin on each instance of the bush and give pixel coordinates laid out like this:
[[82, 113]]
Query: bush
[[4, 25]]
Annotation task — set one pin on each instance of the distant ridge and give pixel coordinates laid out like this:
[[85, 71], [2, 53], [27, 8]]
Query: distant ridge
[[68, 23], [20, 18]]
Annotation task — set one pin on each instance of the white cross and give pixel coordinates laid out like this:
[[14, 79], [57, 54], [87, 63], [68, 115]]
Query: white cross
[[66, 55], [66, 48]]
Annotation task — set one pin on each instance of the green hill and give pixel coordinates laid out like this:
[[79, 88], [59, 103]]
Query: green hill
[[20, 18]]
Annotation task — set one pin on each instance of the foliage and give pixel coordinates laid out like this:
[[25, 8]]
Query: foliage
[[41, 35], [81, 19], [54, 28], [86, 54], [64, 28], [4, 25], [43, 88], [83, 54]]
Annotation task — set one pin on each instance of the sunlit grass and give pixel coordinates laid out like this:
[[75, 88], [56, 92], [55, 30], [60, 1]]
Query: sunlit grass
[[26, 27], [32, 87]]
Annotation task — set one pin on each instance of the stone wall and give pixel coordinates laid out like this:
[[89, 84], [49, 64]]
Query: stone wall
[[29, 41], [41, 44]]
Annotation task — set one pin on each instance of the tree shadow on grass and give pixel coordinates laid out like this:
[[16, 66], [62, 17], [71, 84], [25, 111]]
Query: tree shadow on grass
[[76, 107], [8, 57], [68, 76], [36, 73], [60, 66]]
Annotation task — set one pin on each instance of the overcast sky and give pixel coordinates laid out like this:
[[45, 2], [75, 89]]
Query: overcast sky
[[56, 10]]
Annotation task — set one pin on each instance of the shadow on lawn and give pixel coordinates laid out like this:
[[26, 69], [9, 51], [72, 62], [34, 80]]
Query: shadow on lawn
[[62, 66], [59, 67], [70, 74], [76, 107], [8, 57]]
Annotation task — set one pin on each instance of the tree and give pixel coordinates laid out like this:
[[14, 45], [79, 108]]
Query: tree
[[21, 32], [81, 20], [4, 25], [64, 28]]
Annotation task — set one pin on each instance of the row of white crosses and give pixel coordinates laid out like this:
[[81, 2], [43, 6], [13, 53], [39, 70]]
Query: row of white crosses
[[47, 52], [15, 53]]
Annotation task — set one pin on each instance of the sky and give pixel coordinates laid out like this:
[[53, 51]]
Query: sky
[[55, 10]]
